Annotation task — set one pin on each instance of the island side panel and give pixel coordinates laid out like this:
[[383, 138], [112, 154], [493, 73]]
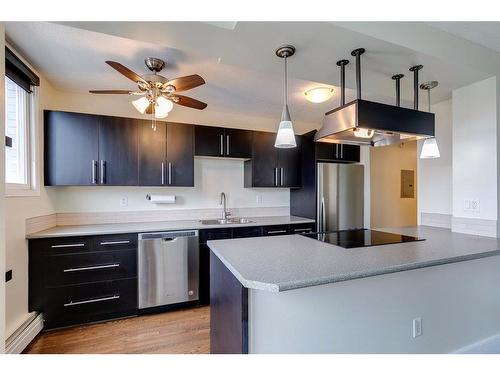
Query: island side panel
[[458, 303], [228, 311]]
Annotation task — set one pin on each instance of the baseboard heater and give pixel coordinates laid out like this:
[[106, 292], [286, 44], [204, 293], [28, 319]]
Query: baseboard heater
[[22, 336]]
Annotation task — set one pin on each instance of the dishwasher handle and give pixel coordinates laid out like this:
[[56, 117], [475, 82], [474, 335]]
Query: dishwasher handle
[[168, 236]]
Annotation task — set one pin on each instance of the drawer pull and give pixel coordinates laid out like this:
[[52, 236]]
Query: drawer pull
[[276, 231], [91, 301], [91, 268], [68, 245], [115, 242], [302, 230]]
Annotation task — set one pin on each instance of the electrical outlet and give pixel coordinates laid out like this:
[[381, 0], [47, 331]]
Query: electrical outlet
[[417, 327], [258, 199], [472, 205], [124, 201]]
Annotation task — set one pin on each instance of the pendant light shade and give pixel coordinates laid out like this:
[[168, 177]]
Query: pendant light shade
[[141, 104], [162, 107], [286, 136], [430, 149]]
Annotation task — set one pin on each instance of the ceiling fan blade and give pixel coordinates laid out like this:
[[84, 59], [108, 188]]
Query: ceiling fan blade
[[186, 83], [128, 92], [189, 102], [126, 71]]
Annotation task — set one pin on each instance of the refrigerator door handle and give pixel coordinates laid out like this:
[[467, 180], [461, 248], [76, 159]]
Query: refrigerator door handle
[[323, 215]]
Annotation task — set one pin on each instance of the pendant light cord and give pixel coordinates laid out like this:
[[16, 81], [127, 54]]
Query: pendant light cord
[[286, 82]]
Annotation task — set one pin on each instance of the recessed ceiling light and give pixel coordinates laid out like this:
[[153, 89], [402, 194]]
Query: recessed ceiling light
[[319, 94]]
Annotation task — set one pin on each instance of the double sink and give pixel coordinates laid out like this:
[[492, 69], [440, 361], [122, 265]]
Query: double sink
[[233, 220]]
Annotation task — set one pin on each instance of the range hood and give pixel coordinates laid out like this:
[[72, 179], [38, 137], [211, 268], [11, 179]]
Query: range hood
[[363, 122]]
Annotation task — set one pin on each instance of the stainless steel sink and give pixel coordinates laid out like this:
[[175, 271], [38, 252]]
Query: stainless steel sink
[[233, 220]]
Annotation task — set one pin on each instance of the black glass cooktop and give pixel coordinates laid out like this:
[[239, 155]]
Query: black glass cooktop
[[361, 238]]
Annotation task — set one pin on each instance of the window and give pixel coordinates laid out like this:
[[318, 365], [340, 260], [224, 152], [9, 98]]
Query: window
[[17, 116], [20, 124]]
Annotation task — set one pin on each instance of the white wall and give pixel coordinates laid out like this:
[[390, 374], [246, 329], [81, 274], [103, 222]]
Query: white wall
[[458, 304], [475, 153], [435, 175], [211, 177], [2, 191]]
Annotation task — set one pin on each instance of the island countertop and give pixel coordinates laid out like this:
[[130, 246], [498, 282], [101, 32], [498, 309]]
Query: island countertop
[[283, 263]]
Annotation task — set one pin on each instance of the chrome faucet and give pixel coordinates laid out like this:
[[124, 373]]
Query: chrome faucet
[[222, 201]]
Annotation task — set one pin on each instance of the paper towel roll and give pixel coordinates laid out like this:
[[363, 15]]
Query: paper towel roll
[[160, 199]]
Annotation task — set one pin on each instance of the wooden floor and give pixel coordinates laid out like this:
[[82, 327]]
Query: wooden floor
[[175, 332]]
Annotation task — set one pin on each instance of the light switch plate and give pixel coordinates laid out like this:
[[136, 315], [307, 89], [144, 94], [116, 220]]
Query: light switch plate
[[417, 327], [124, 201]]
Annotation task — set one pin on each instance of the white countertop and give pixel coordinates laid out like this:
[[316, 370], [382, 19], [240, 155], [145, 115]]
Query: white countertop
[[155, 226], [289, 262]]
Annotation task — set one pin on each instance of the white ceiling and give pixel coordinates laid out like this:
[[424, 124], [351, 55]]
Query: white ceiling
[[243, 75], [486, 34]]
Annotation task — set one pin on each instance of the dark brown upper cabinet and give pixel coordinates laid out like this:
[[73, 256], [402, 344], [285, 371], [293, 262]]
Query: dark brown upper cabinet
[[333, 152], [223, 142], [180, 161], [271, 166], [118, 151], [71, 148]]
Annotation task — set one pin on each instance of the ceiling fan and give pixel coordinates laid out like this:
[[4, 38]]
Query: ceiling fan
[[157, 93]]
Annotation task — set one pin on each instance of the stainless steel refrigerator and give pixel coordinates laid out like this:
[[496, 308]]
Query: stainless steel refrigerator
[[340, 196]]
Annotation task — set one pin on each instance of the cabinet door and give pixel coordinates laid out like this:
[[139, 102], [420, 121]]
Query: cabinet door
[[152, 153], [180, 162], [118, 151], [289, 165], [209, 141], [350, 153], [238, 143], [264, 160], [71, 148], [326, 151]]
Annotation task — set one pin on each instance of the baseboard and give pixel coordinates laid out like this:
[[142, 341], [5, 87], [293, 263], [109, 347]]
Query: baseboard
[[435, 220], [480, 227], [21, 338], [490, 345]]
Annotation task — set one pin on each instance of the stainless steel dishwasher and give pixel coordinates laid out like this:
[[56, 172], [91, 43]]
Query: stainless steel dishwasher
[[168, 268]]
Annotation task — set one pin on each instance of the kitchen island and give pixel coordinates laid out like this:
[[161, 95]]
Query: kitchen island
[[293, 294]]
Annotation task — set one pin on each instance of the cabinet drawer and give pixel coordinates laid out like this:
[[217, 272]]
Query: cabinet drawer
[[62, 245], [302, 228], [90, 302], [247, 232], [63, 269], [115, 242], [275, 230], [215, 234]]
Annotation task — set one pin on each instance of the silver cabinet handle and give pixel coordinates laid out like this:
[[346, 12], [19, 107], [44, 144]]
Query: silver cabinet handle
[[103, 171], [323, 215], [281, 176], [221, 145], [115, 242], [276, 231], [227, 145], [275, 176], [68, 245], [170, 173], [341, 151], [336, 151], [91, 268], [94, 174], [162, 173], [302, 230], [91, 301]]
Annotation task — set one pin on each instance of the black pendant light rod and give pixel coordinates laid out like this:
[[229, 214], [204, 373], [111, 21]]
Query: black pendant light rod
[[357, 53], [342, 64], [415, 70], [397, 78]]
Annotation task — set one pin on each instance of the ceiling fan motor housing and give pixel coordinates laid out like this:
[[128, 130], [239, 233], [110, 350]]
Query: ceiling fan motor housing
[[154, 64]]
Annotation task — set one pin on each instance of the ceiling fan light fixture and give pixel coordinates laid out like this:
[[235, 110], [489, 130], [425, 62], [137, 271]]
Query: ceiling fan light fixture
[[141, 104], [319, 94], [162, 107]]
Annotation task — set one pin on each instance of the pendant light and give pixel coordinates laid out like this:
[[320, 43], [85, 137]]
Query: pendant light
[[430, 149], [286, 136]]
